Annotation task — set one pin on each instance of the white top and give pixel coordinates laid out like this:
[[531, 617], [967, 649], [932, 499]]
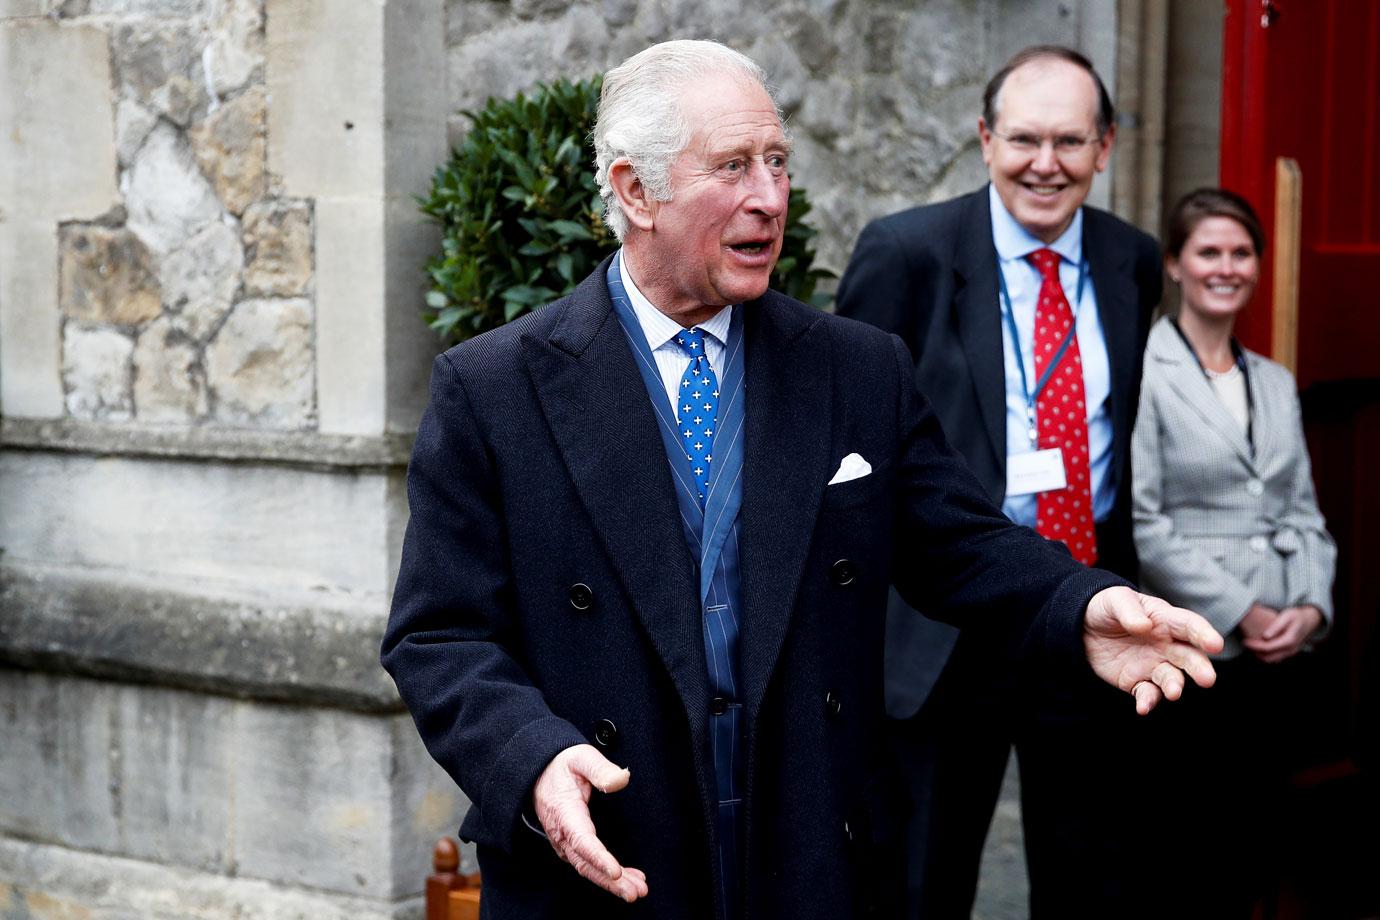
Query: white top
[[661, 332], [1230, 387]]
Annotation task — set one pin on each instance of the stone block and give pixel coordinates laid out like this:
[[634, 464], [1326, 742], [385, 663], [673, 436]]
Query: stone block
[[230, 146], [113, 768], [268, 528], [30, 799], [41, 882], [169, 383], [106, 276], [96, 373], [236, 50], [173, 774], [306, 647], [133, 123], [167, 198], [350, 330], [313, 791], [30, 324], [259, 365], [65, 107], [200, 278], [327, 117], [277, 248], [158, 61]]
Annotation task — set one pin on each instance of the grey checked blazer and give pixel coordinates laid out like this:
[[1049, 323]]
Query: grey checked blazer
[[1219, 526]]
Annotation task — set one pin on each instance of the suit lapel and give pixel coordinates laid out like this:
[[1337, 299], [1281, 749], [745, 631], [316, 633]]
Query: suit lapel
[[977, 313], [785, 470], [1117, 308], [602, 420], [1188, 380]]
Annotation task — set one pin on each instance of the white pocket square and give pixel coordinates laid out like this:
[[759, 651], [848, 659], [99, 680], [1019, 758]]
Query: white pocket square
[[852, 467]]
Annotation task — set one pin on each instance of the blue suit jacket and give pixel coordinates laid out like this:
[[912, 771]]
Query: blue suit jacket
[[538, 467]]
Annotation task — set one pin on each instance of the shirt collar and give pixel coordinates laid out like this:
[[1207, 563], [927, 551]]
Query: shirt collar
[[660, 328], [1015, 242]]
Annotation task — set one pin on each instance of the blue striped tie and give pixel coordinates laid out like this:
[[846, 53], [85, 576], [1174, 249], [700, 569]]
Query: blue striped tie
[[698, 408]]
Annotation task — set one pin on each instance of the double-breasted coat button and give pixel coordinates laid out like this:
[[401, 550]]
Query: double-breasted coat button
[[718, 706], [1255, 487], [832, 704], [843, 572], [581, 598], [605, 733], [1258, 543]]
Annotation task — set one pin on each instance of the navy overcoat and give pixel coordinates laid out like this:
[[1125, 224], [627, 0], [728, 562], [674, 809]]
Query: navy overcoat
[[547, 598]]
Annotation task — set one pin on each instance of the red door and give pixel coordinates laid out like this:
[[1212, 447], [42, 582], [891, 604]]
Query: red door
[[1301, 78]]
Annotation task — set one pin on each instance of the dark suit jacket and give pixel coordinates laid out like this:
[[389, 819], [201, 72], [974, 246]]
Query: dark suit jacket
[[930, 276], [538, 467]]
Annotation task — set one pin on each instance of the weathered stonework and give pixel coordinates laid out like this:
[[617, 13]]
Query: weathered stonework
[[158, 62], [200, 278], [96, 373], [106, 276], [230, 146], [278, 250], [259, 365], [167, 197], [169, 385], [235, 53]]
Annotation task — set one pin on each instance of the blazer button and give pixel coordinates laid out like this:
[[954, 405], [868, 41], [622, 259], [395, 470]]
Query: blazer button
[[605, 733], [1255, 487], [1258, 543], [843, 572], [581, 598], [718, 706], [832, 705]]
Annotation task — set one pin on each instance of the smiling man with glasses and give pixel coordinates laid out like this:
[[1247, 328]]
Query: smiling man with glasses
[[1027, 314]]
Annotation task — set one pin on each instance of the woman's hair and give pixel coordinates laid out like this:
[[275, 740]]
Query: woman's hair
[[1202, 203]]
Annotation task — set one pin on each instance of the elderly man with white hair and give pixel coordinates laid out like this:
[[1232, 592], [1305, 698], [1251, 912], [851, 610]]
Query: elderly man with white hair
[[639, 617]]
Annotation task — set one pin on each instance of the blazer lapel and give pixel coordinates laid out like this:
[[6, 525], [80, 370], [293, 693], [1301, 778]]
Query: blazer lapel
[[785, 470], [977, 314], [1191, 384], [1117, 306], [602, 420]]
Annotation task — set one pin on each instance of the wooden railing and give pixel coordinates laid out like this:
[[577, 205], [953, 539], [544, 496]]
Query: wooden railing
[[450, 895]]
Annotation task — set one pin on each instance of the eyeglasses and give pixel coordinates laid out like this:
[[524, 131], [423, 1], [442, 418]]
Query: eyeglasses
[[1063, 145]]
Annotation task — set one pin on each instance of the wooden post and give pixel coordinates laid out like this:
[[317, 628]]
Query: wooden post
[[450, 895], [1284, 336]]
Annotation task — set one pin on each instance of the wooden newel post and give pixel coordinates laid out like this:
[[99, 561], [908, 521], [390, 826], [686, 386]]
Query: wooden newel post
[[450, 895]]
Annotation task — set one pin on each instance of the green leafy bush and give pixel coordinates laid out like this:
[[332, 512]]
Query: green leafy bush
[[522, 220]]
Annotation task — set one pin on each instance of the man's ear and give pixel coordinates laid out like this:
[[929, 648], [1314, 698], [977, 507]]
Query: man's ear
[[638, 205], [985, 138]]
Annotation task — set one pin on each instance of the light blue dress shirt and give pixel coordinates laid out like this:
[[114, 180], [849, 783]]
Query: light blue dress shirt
[[1014, 243]]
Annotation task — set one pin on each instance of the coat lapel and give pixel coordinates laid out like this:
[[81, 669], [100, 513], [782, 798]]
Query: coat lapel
[[977, 314], [785, 470], [602, 420], [1117, 308], [1188, 380]]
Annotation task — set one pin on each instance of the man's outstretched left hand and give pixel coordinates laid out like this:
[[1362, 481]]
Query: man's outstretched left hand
[[1145, 645]]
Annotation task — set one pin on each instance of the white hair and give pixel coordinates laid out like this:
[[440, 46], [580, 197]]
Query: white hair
[[640, 114]]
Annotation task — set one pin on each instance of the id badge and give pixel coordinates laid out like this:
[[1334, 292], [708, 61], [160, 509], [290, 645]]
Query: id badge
[[1036, 471]]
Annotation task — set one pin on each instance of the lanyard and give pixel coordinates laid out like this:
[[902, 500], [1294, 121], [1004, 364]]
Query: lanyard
[[1009, 312]]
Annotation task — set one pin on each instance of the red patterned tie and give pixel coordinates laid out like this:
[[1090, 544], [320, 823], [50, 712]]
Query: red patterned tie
[[1062, 416]]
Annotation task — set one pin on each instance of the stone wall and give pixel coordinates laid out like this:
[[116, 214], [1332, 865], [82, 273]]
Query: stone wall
[[211, 363], [882, 97]]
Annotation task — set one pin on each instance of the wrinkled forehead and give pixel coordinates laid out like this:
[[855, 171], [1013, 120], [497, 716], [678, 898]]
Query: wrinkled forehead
[[1047, 92], [730, 108]]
